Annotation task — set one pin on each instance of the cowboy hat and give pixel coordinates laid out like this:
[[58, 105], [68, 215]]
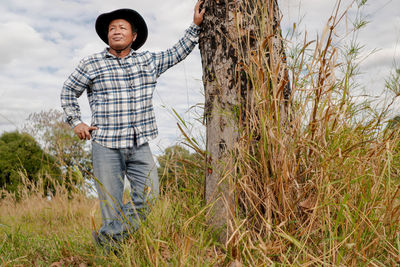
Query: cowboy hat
[[130, 15]]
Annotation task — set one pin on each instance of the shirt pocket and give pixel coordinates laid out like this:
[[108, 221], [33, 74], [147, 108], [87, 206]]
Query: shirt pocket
[[146, 74]]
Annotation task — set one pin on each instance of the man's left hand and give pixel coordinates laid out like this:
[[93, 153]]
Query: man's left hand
[[198, 15]]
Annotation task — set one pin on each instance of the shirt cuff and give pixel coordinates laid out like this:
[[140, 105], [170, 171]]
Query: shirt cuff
[[74, 122], [194, 29]]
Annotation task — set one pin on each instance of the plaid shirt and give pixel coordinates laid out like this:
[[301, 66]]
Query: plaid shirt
[[120, 92]]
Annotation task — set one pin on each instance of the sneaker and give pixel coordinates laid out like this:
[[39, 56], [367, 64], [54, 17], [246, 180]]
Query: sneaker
[[96, 238], [109, 245]]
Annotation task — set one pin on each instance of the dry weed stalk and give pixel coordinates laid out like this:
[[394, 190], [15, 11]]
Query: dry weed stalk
[[315, 182]]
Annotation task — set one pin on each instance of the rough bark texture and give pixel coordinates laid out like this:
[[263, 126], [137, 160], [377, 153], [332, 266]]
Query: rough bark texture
[[228, 37], [219, 59]]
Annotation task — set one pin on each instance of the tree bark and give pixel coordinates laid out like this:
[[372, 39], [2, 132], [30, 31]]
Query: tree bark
[[232, 31]]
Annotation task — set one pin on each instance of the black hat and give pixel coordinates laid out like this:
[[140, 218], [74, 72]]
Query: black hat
[[133, 17]]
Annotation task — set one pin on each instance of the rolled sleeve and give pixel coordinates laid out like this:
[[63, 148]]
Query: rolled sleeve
[[73, 88]]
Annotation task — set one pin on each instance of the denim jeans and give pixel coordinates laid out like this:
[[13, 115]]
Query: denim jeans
[[110, 166]]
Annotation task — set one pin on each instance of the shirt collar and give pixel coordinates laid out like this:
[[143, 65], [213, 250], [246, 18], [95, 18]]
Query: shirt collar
[[107, 54]]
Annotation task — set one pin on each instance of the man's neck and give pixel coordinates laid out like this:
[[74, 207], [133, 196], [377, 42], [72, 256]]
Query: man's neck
[[120, 53]]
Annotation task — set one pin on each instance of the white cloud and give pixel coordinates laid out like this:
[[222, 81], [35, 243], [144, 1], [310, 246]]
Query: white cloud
[[20, 42]]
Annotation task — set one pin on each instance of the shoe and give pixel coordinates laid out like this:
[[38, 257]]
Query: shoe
[[96, 238], [108, 245]]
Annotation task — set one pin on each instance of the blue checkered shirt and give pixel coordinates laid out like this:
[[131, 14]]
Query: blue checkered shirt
[[120, 92]]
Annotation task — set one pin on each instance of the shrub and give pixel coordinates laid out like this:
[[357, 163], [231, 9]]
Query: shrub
[[19, 152]]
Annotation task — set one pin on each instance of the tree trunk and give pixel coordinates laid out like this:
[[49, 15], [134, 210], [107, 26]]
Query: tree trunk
[[232, 31]]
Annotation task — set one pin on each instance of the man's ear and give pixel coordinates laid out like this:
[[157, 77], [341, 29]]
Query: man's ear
[[134, 37]]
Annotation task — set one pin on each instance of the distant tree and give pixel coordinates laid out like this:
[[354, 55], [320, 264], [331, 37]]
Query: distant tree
[[58, 139], [181, 169], [21, 155]]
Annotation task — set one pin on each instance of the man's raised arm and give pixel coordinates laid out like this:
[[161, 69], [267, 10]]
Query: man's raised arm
[[166, 59]]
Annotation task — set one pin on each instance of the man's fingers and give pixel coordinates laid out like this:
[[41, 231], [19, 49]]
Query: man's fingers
[[197, 7], [79, 134], [83, 131], [90, 129], [86, 133]]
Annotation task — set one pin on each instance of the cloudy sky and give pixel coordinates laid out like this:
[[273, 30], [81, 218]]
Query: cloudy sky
[[43, 40]]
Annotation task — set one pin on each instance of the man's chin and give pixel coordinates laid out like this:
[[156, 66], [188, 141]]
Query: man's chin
[[118, 47]]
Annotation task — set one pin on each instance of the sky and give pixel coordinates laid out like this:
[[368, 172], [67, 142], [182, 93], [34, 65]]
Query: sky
[[43, 40]]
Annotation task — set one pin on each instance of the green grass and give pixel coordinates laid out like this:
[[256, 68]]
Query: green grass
[[38, 232]]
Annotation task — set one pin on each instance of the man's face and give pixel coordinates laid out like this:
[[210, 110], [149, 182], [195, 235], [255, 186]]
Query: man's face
[[120, 34]]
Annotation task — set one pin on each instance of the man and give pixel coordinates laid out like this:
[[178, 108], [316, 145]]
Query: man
[[119, 83]]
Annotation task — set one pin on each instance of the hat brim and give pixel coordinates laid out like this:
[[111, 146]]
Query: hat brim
[[130, 15]]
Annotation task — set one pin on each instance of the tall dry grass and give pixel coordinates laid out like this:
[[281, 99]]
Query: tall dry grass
[[317, 183], [38, 230]]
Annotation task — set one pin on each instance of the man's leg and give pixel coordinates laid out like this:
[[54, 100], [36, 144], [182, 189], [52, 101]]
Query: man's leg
[[141, 172], [109, 170]]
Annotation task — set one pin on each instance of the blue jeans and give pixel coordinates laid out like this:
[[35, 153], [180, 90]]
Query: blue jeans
[[110, 166]]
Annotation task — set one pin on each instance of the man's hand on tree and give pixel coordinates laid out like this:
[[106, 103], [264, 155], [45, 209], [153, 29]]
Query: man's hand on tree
[[82, 130], [198, 15]]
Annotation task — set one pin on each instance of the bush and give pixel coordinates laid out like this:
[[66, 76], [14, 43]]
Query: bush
[[21, 154], [57, 139], [181, 170]]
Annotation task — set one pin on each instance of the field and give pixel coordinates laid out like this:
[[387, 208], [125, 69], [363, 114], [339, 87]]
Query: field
[[36, 231], [315, 182]]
